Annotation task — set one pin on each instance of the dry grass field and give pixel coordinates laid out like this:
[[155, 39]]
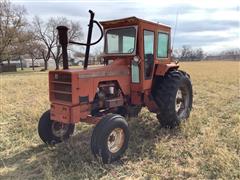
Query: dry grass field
[[207, 146]]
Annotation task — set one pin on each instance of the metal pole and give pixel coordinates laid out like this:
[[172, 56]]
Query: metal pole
[[89, 39], [63, 40]]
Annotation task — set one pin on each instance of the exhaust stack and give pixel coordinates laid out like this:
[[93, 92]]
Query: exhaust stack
[[63, 40]]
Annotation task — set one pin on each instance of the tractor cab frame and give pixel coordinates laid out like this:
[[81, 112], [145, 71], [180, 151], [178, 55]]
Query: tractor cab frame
[[151, 55]]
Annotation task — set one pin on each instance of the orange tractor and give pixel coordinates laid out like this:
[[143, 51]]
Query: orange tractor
[[138, 72]]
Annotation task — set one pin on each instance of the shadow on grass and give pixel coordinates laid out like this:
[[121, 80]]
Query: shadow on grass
[[145, 133], [74, 158]]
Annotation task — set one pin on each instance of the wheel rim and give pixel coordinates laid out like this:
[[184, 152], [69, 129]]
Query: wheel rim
[[181, 103], [115, 140], [59, 129]]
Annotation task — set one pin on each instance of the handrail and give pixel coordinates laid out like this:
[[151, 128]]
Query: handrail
[[63, 40], [85, 44]]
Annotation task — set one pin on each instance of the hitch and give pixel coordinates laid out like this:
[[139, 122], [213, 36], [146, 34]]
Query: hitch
[[63, 40]]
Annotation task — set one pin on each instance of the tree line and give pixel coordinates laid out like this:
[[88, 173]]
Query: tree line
[[187, 53], [38, 39]]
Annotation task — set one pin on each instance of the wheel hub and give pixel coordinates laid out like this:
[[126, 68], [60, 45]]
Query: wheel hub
[[115, 140], [59, 129], [181, 102]]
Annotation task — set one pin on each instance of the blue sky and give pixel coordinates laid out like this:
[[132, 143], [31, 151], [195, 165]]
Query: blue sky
[[212, 25]]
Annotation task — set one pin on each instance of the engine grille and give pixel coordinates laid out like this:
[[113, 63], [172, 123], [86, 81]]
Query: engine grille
[[61, 87], [62, 77], [63, 97]]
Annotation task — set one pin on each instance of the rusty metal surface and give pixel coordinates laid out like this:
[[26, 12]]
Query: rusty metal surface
[[60, 113], [130, 21], [163, 68], [95, 74]]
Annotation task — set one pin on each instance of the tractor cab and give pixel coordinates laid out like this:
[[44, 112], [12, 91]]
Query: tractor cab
[[144, 45]]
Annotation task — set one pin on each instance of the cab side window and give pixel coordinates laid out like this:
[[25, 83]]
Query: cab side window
[[163, 39], [148, 53]]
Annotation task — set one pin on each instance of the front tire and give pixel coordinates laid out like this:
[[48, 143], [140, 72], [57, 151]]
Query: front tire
[[110, 138], [173, 95], [53, 132]]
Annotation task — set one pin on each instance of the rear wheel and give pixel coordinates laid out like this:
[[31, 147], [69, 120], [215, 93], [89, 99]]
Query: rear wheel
[[110, 138], [173, 95], [53, 132]]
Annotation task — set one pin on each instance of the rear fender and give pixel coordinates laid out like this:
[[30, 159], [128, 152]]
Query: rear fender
[[162, 69]]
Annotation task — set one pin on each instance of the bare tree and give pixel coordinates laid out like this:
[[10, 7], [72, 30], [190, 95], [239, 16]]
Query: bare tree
[[74, 33], [12, 22], [98, 53], [22, 45], [198, 54], [43, 34], [47, 33], [34, 50], [233, 54], [186, 53]]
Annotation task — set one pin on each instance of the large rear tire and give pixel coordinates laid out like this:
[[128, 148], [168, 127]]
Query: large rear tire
[[173, 95], [53, 132]]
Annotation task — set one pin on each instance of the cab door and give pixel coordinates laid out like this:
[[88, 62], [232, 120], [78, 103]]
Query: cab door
[[141, 71], [148, 50]]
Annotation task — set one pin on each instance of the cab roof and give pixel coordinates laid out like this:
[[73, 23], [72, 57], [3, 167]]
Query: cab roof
[[130, 21]]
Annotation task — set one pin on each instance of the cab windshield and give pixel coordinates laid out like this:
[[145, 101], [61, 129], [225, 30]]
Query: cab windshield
[[120, 41]]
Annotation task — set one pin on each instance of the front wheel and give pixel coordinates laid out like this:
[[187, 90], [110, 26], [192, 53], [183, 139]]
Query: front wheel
[[53, 132], [110, 138], [173, 95]]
